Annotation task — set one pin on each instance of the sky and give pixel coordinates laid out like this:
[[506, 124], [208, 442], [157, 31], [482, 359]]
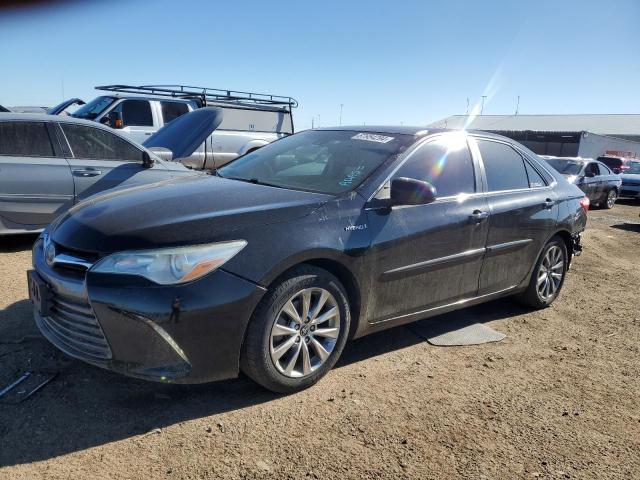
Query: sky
[[386, 62]]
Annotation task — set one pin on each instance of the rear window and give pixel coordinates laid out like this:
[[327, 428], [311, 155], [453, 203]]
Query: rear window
[[566, 167], [173, 110], [29, 139]]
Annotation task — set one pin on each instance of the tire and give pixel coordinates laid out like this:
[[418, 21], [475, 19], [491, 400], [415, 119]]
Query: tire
[[280, 350], [533, 296], [610, 201]]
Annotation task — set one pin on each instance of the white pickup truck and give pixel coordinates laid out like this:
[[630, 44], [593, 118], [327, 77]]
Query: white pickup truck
[[250, 120]]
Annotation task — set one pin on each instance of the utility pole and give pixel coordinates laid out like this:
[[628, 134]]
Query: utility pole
[[340, 120], [467, 111], [518, 105], [313, 119], [482, 107]]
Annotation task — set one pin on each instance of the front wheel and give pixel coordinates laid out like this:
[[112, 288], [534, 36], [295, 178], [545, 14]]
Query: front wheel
[[612, 196], [298, 331], [548, 275]]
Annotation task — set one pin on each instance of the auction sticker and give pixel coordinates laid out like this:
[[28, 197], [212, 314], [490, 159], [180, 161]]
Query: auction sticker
[[372, 137]]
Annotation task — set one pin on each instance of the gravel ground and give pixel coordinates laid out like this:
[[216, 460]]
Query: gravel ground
[[558, 398]]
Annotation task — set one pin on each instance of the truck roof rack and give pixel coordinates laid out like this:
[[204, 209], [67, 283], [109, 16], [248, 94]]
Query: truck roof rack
[[211, 95]]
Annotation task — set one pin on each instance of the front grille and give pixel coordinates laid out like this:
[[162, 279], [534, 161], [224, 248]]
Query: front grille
[[627, 183], [629, 193], [67, 258], [75, 329]]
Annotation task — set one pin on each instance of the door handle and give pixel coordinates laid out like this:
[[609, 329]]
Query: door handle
[[87, 172], [478, 216], [548, 203]]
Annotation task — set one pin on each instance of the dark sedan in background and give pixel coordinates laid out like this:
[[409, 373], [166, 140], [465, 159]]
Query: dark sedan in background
[[330, 234], [594, 178]]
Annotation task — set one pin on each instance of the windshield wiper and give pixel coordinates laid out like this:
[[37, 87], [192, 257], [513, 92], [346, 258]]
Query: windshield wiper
[[255, 181]]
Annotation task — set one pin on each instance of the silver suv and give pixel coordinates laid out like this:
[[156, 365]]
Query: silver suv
[[250, 120]]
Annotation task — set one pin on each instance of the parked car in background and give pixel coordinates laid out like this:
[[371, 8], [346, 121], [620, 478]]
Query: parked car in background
[[250, 120], [62, 108], [594, 178], [631, 180], [49, 163], [273, 263], [617, 164]]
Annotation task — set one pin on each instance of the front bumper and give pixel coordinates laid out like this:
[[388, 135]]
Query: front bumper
[[133, 326]]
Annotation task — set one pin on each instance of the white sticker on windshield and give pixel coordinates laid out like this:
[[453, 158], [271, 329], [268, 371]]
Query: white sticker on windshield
[[372, 137]]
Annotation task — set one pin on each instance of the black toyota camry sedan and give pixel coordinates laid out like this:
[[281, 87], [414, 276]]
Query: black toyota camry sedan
[[271, 265]]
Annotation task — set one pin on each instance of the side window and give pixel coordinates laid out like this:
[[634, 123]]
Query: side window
[[592, 168], [97, 144], [603, 169], [172, 110], [503, 166], [535, 180], [135, 113], [445, 163], [29, 139]]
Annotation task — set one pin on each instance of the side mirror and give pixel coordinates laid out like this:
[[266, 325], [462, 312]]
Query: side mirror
[[589, 174], [147, 160], [115, 120], [409, 191]]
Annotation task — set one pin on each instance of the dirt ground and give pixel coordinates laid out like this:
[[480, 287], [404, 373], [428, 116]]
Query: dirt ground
[[558, 398]]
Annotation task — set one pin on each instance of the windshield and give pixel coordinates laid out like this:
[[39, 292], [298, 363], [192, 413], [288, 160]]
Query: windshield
[[566, 167], [633, 168], [322, 161], [94, 108]]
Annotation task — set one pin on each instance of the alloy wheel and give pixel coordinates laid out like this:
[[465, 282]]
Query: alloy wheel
[[611, 199], [550, 273], [304, 332]]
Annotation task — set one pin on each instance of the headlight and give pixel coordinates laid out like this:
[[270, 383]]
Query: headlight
[[168, 266]]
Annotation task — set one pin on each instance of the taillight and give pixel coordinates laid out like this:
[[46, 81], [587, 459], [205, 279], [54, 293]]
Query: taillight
[[584, 203], [624, 168]]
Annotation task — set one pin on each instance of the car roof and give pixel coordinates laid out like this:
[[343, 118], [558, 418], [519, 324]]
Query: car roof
[[573, 159], [410, 130], [43, 117]]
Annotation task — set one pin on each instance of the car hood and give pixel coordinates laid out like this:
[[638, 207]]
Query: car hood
[[182, 211], [186, 133]]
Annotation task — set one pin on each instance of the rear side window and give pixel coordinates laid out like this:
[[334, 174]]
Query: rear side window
[[135, 113], [445, 163], [97, 144], [603, 169], [172, 110], [29, 139], [535, 179], [503, 166]]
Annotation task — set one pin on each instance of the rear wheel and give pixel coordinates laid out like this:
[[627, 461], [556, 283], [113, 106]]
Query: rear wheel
[[298, 331], [548, 275], [612, 196]]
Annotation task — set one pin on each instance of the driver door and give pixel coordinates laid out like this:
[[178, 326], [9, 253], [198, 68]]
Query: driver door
[[426, 256]]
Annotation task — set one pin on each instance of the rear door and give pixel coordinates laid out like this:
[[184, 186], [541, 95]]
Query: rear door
[[425, 256], [523, 211], [35, 179], [101, 160]]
